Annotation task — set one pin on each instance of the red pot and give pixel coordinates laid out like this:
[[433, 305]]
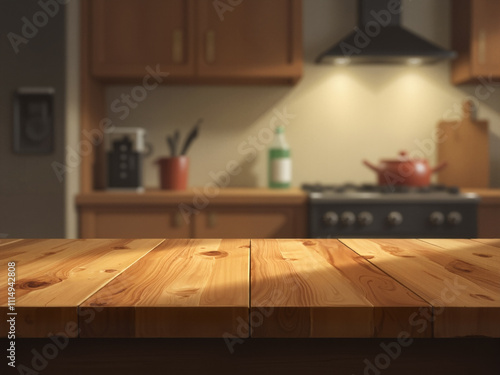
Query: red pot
[[404, 171]]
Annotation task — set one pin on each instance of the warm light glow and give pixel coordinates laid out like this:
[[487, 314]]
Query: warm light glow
[[342, 61], [415, 61]]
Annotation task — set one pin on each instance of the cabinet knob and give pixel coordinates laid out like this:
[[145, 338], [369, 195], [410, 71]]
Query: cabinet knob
[[210, 47], [177, 46]]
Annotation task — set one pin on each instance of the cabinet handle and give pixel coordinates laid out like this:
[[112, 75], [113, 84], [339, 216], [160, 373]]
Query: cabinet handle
[[482, 47], [177, 220], [177, 46], [210, 47], [212, 220]]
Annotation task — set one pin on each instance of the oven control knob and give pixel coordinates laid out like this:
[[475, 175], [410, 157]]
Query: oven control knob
[[330, 218], [365, 218], [436, 218], [395, 218], [347, 218], [454, 218]]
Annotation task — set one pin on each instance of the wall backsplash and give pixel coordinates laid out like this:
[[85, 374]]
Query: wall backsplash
[[341, 115]]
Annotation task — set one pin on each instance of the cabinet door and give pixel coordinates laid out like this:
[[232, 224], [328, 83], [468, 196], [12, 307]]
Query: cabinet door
[[129, 35], [486, 37], [133, 223], [250, 39], [488, 219], [245, 223]]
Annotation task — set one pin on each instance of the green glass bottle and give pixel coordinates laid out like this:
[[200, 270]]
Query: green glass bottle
[[280, 163]]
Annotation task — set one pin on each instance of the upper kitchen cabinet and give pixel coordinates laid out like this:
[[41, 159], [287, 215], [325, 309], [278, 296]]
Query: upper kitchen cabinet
[[129, 35], [476, 37], [254, 39], [197, 41]]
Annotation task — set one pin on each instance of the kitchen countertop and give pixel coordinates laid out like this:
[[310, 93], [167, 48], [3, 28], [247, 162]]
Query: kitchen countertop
[[227, 196], [220, 196], [490, 196], [173, 288]]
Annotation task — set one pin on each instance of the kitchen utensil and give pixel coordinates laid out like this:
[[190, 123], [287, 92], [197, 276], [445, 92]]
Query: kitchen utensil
[[466, 143], [191, 137], [404, 171]]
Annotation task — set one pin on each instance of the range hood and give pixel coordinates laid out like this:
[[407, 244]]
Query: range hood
[[380, 38]]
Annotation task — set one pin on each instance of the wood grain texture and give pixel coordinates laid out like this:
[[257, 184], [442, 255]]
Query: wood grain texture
[[183, 288], [5, 241], [320, 288], [394, 305], [489, 241], [465, 296], [53, 277], [473, 252]]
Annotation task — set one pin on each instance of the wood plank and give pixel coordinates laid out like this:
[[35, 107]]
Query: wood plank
[[474, 252], [5, 241], [297, 293], [465, 296], [394, 304], [183, 288], [489, 241], [54, 276]]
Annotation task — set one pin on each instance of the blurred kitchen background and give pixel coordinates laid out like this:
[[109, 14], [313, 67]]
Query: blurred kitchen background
[[342, 115]]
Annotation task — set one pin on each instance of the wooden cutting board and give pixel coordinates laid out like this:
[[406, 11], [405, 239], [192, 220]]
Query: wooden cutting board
[[464, 145]]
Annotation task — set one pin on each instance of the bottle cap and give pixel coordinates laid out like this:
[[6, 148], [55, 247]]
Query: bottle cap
[[280, 129]]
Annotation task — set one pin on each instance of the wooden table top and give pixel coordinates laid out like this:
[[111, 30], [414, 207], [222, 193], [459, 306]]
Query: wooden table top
[[260, 288]]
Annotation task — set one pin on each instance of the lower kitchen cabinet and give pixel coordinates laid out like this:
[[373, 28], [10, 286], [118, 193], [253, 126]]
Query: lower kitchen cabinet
[[235, 213], [132, 223], [488, 212], [242, 222], [225, 222], [489, 221]]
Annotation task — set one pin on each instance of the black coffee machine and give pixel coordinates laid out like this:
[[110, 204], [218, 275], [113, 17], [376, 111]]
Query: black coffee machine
[[125, 152]]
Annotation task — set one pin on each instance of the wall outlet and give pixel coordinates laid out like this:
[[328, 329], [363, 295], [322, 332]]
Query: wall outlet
[[34, 120]]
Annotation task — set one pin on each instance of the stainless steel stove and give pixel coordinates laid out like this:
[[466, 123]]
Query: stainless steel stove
[[373, 211]]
